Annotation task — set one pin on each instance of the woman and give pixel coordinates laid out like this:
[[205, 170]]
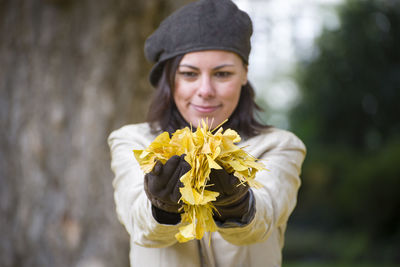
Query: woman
[[201, 55]]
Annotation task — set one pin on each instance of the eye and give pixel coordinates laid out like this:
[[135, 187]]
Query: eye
[[188, 74], [223, 74]]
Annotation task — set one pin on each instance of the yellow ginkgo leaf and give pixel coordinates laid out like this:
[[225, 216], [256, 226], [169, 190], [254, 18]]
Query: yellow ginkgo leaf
[[205, 150], [212, 164]]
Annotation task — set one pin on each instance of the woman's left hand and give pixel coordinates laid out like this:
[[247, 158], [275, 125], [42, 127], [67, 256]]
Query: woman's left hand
[[233, 199]]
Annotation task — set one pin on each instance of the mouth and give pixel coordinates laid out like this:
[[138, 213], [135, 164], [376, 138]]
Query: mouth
[[205, 108]]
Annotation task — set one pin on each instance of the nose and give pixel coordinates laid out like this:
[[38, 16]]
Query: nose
[[206, 88]]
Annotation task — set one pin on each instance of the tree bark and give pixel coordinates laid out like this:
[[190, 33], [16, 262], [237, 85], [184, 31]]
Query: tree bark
[[70, 72]]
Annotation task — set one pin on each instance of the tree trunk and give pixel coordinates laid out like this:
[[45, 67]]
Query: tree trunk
[[70, 72]]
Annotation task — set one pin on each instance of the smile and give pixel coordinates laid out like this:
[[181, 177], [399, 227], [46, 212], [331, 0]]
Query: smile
[[205, 109]]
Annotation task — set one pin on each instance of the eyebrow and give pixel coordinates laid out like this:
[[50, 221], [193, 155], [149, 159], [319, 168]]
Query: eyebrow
[[216, 68]]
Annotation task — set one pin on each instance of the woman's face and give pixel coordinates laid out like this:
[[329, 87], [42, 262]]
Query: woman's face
[[208, 84]]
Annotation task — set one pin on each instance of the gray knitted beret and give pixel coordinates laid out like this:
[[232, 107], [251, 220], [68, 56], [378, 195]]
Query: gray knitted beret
[[197, 26]]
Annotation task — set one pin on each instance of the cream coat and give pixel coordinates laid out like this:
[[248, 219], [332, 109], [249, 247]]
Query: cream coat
[[258, 243]]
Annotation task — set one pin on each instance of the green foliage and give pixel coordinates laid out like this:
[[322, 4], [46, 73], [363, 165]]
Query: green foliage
[[354, 82], [349, 120]]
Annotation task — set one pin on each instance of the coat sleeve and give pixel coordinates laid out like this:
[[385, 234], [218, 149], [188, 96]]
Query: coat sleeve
[[283, 154], [132, 205]]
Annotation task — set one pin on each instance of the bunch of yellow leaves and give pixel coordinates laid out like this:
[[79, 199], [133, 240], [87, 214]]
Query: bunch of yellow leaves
[[204, 151]]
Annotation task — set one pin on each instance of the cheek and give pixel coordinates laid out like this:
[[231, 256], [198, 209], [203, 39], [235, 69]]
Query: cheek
[[177, 92], [232, 94], [181, 94], [235, 100]]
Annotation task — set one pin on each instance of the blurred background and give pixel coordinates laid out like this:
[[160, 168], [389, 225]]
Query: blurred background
[[72, 71]]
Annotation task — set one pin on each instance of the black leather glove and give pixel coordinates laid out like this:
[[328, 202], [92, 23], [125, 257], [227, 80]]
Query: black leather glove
[[233, 199], [162, 185]]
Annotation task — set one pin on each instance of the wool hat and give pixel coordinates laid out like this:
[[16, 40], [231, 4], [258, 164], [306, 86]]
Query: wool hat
[[197, 26]]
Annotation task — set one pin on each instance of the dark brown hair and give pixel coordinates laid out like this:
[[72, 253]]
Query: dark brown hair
[[163, 114]]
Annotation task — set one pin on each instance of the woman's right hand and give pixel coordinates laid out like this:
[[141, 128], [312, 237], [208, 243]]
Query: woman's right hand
[[163, 182]]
